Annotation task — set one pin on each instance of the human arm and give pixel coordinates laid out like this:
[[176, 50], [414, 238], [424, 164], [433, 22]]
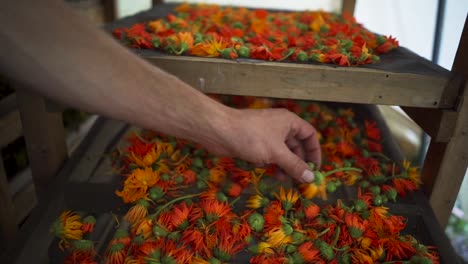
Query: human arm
[[54, 52]]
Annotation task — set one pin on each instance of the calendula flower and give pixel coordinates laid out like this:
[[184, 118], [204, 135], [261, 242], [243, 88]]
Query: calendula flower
[[308, 252], [256, 221], [214, 209], [210, 48], [311, 211], [356, 226], [137, 184], [137, 212], [232, 189], [141, 153], [196, 240], [144, 228], [180, 216], [273, 214], [413, 173], [217, 174], [67, 227], [280, 235], [80, 257], [88, 224], [372, 131], [288, 199], [116, 254], [257, 201]]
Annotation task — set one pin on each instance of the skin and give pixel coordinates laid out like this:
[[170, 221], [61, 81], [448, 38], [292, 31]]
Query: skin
[[55, 53]]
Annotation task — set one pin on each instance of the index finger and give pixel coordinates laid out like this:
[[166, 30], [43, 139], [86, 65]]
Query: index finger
[[307, 134]]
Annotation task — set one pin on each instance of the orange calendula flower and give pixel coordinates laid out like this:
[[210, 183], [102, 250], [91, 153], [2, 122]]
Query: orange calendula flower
[[144, 228], [308, 252], [88, 224], [311, 211], [273, 214], [180, 216], [116, 254], [137, 184], [138, 212], [157, 26], [214, 209], [356, 226], [67, 227], [288, 199], [141, 153], [210, 48]]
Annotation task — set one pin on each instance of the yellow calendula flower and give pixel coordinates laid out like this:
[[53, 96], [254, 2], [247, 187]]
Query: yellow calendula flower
[[137, 184], [265, 248], [413, 173], [279, 236], [67, 227], [257, 201], [287, 199]]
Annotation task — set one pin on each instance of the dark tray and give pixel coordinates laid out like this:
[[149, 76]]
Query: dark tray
[[91, 187]]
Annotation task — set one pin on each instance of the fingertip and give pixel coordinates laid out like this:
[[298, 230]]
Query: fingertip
[[308, 176]]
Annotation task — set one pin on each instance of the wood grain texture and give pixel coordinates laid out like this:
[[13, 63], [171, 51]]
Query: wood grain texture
[[452, 169], [454, 160], [45, 138], [310, 82]]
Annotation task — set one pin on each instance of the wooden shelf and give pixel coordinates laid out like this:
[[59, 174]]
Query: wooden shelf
[[309, 81], [400, 78]]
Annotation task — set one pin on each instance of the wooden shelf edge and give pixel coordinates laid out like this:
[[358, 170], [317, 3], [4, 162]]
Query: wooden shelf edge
[[310, 82]]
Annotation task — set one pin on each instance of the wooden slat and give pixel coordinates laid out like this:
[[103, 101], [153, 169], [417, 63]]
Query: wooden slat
[[8, 225], [310, 82], [10, 128], [452, 169], [348, 6], [45, 138], [454, 161]]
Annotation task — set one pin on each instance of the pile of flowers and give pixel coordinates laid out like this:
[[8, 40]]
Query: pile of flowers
[[235, 32], [189, 206]]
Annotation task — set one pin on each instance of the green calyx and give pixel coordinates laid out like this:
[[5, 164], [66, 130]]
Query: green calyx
[[288, 229], [57, 229], [302, 56], [116, 248], [326, 250], [355, 232], [221, 254], [121, 233], [360, 205], [83, 245], [244, 52], [159, 231], [256, 222], [89, 220], [155, 193]]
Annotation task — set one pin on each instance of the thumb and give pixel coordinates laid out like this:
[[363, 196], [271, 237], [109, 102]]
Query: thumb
[[293, 165]]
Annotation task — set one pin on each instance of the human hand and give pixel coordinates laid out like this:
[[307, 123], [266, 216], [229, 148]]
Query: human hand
[[271, 136]]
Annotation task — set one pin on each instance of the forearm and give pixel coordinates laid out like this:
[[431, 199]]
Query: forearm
[[54, 52]]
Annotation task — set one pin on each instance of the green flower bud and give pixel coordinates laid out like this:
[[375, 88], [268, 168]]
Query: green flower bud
[[155, 193], [244, 52], [302, 56], [256, 222]]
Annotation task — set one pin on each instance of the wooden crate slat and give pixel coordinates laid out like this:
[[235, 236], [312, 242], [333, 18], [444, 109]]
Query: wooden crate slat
[[305, 81]]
